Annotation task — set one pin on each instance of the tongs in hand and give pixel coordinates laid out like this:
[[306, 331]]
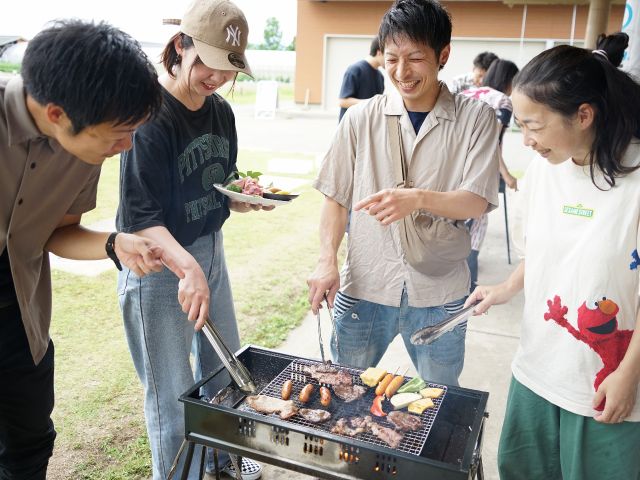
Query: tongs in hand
[[333, 330], [239, 373], [427, 335]]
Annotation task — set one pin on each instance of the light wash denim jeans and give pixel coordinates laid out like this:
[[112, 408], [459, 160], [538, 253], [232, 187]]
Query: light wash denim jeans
[[365, 330], [161, 340]]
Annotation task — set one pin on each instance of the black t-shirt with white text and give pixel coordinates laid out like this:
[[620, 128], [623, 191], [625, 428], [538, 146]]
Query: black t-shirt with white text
[[167, 178]]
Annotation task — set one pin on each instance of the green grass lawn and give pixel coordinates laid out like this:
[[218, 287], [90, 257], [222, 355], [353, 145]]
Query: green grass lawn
[[98, 414]]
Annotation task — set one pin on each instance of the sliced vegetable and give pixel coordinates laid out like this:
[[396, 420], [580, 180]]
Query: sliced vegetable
[[401, 400], [431, 392], [376, 407], [234, 188], [372, 375], [420, 406], [412, 386]]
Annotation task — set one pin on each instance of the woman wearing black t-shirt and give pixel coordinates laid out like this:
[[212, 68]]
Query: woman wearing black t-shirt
[[167, 194]]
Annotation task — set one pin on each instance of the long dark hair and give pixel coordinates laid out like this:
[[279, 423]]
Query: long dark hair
[[614, 45], [564, 77], [500, 75]]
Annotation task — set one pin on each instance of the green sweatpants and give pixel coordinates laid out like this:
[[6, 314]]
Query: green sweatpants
[[542, 441]]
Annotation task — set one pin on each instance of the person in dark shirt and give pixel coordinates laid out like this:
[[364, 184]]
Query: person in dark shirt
[[167, 194], [362, 80]]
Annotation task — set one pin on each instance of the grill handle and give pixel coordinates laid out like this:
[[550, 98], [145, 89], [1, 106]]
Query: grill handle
[[239, 373]]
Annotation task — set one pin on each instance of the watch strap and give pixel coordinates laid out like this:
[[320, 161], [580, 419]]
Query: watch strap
[[110, 248]]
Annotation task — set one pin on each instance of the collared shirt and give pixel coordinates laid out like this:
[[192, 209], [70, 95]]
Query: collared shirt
[[40, 182], [456, 148]]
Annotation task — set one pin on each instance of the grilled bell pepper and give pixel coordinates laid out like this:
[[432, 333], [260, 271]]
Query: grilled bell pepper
[[412, 386], [376, 407]]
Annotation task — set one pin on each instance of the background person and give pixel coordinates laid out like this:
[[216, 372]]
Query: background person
[[495, 91], [167, 194], [362, 80], [573, 406], [451, 146], [84, 89], [481, 64]]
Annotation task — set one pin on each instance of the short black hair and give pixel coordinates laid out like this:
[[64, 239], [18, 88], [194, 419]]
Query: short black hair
[[500, 75], [614, 45], [484, 60], [375, 46], [94, 72], [422, 21]]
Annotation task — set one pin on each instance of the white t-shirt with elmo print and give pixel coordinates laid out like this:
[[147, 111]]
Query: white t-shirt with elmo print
[[581, 280]]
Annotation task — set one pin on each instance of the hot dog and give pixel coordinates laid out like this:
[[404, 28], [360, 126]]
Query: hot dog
[[384, 383], [286, 389], [305, 393], [325, 396], [393, 386]]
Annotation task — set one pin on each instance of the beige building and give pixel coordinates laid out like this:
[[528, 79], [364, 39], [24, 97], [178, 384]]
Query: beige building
[[332, 34]]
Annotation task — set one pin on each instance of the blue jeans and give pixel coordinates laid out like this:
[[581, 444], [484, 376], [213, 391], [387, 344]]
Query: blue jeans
[[364, 331], [161, 340]]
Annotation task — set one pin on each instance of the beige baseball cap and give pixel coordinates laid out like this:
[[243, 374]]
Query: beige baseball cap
[[220, 34]]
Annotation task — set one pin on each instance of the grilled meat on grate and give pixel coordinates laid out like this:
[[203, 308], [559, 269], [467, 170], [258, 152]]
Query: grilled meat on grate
[[352, 426], [264, 404], [328, 375], [387, 435], [404, 422], [314, 416], [349, 393]]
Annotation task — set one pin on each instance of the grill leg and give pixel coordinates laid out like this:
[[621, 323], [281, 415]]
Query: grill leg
[[203, 457], [187, 461], [215, 463], [480, 471], [237, 464]]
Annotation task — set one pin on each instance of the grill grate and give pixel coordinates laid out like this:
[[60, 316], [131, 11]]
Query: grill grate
[[412, 442]]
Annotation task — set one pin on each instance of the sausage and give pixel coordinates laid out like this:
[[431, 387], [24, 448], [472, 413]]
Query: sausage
[[393, 386], [325, 396], [286, 389], [384, 383], [305, 393]]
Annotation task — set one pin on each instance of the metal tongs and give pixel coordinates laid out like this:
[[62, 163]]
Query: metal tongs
[[427, 335], [333, 331], [239, 373]]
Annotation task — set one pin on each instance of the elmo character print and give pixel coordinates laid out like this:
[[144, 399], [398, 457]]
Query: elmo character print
[[598, 328]]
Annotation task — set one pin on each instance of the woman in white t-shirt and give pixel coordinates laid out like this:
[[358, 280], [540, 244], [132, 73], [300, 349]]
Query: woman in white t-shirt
[[573, 410]]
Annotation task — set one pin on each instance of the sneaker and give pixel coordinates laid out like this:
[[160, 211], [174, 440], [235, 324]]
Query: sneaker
[[250, 470]]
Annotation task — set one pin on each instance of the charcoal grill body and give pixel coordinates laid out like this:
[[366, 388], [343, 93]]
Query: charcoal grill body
[[452, 449]]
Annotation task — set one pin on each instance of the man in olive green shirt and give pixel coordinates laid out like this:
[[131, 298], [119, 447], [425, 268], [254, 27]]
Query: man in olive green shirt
[[84, 89]]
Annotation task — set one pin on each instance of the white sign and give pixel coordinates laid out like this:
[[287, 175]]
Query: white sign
[[631, 26], [266, 99]]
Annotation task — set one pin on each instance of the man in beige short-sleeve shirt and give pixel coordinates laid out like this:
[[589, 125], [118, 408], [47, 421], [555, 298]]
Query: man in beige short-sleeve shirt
[[450, 144], [84, 89]]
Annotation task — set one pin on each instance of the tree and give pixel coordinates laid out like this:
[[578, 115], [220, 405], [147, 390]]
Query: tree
[[292, 45], [272, 35]]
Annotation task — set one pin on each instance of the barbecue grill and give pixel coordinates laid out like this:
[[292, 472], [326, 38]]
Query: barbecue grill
[[447, 446]]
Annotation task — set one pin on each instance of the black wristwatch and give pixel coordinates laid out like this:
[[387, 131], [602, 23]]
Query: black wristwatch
[[110, 247]]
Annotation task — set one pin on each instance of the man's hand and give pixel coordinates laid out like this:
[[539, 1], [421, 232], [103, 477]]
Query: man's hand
[[619, 390], [389, 205], [244, 207], [138, 254], [325, 279]]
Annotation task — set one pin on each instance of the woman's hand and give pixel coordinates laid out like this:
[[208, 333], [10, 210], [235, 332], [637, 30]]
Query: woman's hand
[[510, 181], [194, 295], [244, 207], [619, 391]]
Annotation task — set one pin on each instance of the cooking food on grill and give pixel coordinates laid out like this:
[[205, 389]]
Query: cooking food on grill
[[413, 386], [404, 422], [384, 383], [402, 400], [325, 396], [420, 406], [387, 435], [372, 376], [305, 393], [264, 404], [431, 392], [393, 386], [349, 393], [328, 375], [352, 426], [376, 407], [286, 389], [314, 416]]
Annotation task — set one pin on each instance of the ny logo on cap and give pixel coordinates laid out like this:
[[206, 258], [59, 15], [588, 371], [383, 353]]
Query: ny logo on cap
[[233, 35]]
